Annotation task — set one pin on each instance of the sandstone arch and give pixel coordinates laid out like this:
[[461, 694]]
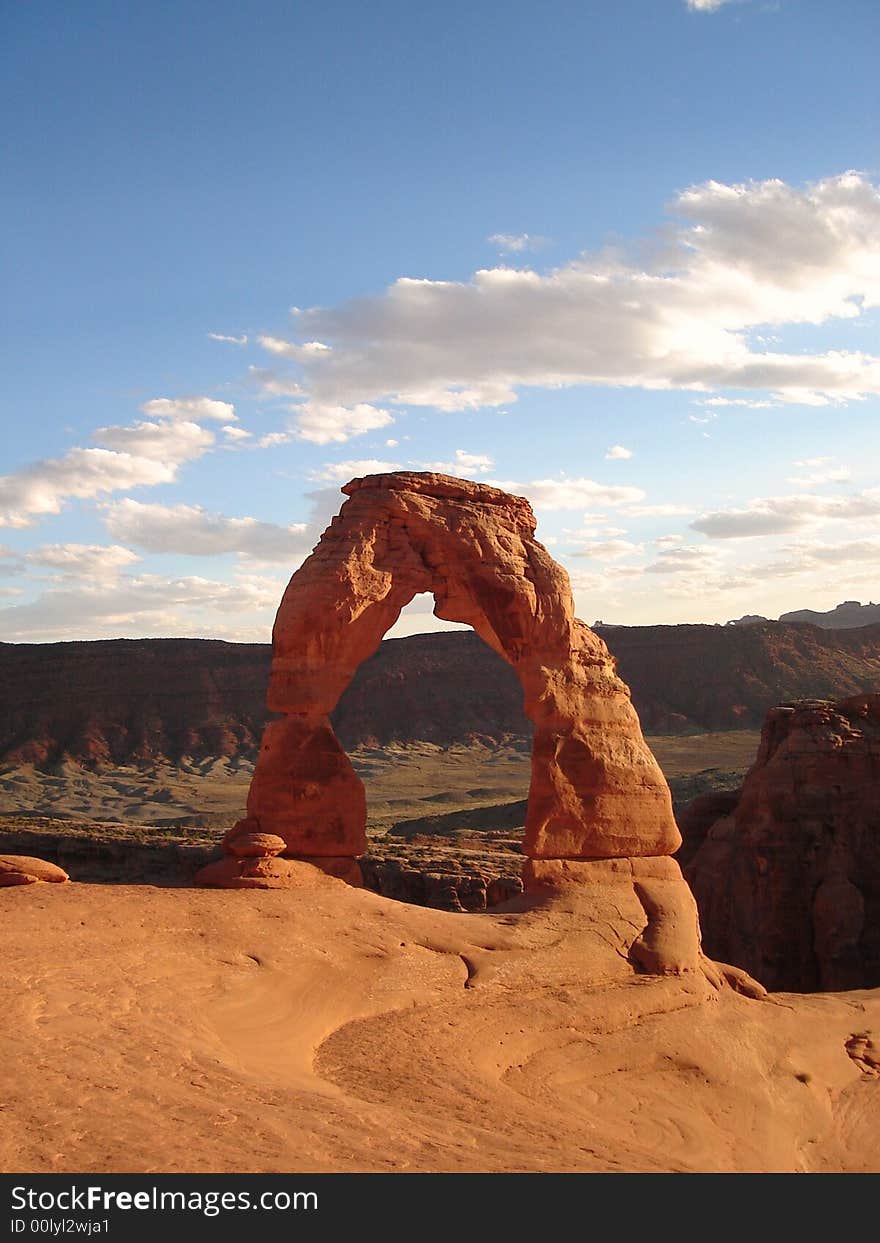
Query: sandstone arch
[[596, 791]]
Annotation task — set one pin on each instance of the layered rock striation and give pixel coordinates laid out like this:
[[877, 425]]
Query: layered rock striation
[[788, 882]]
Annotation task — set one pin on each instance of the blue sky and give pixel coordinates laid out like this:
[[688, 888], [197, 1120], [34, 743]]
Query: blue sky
[[621, 258]]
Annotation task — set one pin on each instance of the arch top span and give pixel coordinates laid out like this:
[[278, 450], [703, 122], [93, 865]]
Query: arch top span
[[596, 791]]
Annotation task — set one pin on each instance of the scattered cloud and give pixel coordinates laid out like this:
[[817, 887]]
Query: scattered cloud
[[705, 6], [91, 561], [194, 531], [142, 606], [82, 474], [324, 424], [516, 243], [235, 433], [782, 515], [464, 465], [738, 257], [749, 403], [353, 469], [618, 453], [835, 474], [609, 550], [551, 494], [170, 441], [684, 558], [665, 510], [391, 444], [221, 336], [189, 408]]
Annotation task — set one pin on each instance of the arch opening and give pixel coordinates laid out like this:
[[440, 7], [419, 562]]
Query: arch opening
[[595, 790]]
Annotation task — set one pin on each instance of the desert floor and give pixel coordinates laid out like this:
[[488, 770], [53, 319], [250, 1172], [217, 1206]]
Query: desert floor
[[402, 782], [174, 1029]]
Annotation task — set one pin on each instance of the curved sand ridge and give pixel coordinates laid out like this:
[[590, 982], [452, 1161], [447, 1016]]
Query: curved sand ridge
[[191, 1030]]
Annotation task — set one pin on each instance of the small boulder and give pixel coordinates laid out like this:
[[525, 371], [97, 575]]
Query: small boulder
[[255, 845], [25, 870]]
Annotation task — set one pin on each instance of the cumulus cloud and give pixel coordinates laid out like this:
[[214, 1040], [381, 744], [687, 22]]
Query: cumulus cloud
[[142, 454], [464, 465], [705, 6], [194, 531], [780, 515], [609, 550], [146, 605], [90, 561], [82, 474], [554, 494], [323, 423], [684, 558], [235, 433], [618, 453], [192, 409], [739, 256], [352, 469], [169, 441]]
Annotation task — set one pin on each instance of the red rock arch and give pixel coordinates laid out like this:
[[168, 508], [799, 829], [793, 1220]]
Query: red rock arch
[[596, 791]]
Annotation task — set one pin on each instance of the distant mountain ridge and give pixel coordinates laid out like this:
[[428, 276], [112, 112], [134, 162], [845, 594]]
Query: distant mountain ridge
[[129, 700], [850, 615]]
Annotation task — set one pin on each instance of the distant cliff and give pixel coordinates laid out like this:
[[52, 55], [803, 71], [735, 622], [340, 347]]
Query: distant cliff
[[846, 616], [120, 700]]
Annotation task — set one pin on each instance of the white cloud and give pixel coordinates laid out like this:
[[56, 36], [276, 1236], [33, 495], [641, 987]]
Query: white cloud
[[705, 6], [665, 510], [465, 464], [271, 439], [221, 336], [609, 550], [516, 243], [353, 469], [749, 403], [323, 423], [170, 441], [235, 433], [391, 444], [551, 494], [618, 453], [146, 605], [92, 561], [82, 474], [780, 515], [835, 474], [189, 408], [740, 256], [684, 558], [191, 530]]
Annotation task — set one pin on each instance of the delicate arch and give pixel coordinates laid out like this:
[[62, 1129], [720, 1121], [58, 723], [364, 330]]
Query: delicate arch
[[596, 791]]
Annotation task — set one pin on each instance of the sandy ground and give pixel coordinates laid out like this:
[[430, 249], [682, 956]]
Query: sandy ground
[[151, 1029], [402, 782]]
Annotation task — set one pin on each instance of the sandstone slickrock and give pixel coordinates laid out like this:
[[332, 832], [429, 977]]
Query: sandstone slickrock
[[25, 870], [788, 884]]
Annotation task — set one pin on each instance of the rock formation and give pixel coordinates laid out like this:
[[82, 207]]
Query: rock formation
[[599, 810], [596, 790], [25, 870], [788, 884]]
